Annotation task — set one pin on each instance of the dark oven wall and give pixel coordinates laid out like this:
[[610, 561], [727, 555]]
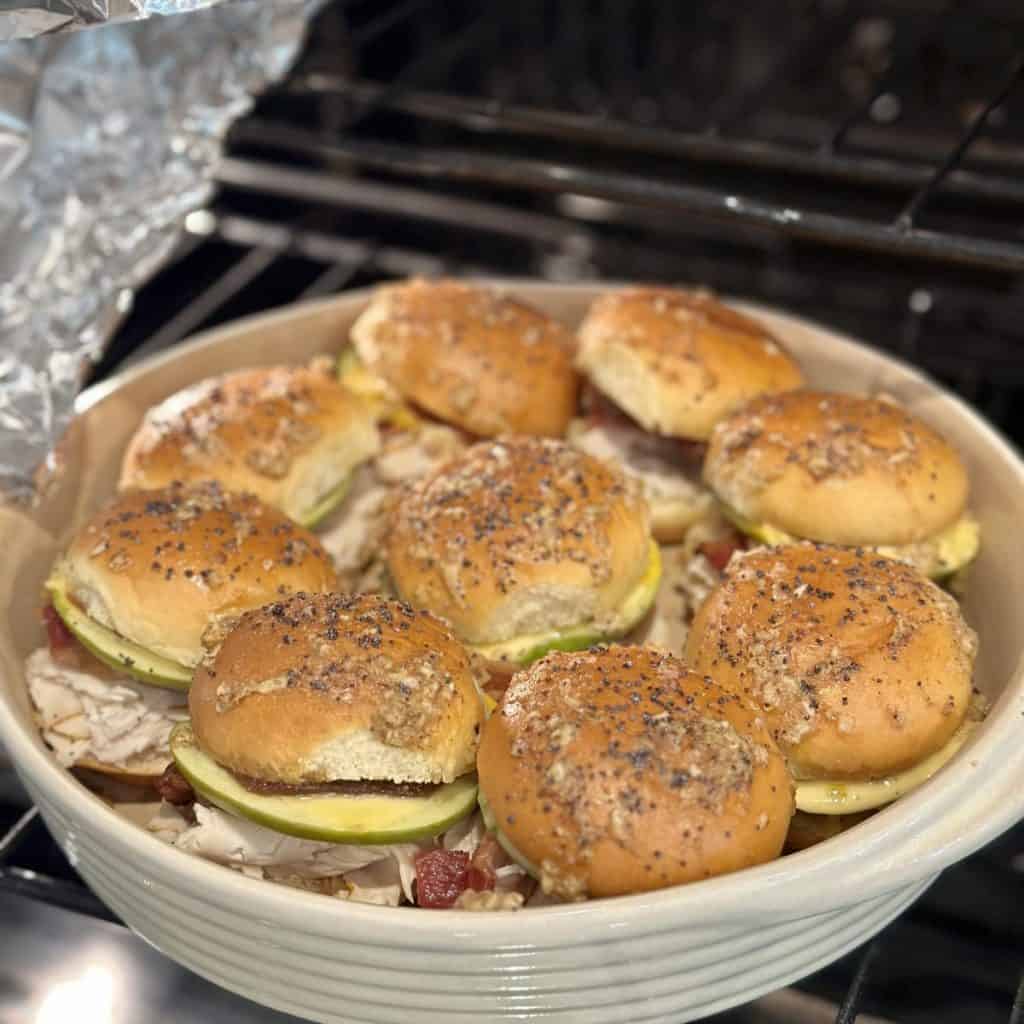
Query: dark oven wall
[[857, 163]]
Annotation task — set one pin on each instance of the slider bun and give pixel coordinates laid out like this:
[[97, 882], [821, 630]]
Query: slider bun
[[861, 666], [137, 771], [287, 434], [618, 770], [470, 356], [673, 518], [678, 361], [324, 687], [167, 568], [519, 536], [843, 469]]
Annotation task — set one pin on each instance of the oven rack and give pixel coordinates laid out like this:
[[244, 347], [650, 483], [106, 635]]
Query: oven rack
[[517, 126], [411, 138]]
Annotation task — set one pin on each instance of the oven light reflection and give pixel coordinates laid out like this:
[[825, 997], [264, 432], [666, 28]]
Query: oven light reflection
[[87, 999]]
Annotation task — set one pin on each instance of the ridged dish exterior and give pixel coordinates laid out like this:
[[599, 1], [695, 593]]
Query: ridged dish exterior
[[675, 976], [671, 956]]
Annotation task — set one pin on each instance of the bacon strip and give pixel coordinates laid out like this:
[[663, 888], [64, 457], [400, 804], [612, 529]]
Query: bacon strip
[[63, 645], [718, 552]]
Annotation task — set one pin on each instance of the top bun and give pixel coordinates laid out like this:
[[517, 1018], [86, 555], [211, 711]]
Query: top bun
[[861, 666], [844, 469], [678, 361], [288, 434], [168, 569], [618, 770], [470, 356], [519, 536], [321, 688]]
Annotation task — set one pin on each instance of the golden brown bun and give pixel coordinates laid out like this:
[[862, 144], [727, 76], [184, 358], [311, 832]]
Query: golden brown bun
[[483, 361], [618, 770], [167, 569], [678, 361], [288, 434], [325, 687], [844, 469], [519, 536], [861, 665]]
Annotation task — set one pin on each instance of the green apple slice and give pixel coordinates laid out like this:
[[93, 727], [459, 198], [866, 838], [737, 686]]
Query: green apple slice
[[312, 517], [522, 650], [940, 556], [525, 649], [331, 818], [114, 650], [507, 845]]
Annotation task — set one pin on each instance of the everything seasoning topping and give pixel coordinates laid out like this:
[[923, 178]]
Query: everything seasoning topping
[[610, 737], [809, 650], [827, 435], [216, 541], [357, 649], [259, 419], [454, 314], [475, 337], [669, 323], [504, 508]]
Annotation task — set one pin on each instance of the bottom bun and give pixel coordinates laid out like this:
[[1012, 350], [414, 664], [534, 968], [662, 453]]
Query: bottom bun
[[673, 518], [138, 771]]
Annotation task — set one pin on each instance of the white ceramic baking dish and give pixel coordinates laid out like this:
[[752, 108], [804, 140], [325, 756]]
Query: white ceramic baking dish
[[670, 956]]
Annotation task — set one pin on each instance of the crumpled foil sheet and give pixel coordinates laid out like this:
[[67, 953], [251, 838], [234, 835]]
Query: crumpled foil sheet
[[21, 19], [108, 138]]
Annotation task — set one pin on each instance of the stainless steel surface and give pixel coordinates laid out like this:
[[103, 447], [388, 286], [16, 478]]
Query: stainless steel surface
[[64, 967], [23, 19]]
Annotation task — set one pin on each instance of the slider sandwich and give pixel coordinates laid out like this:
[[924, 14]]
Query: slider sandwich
[[860, 666], [664, 366], [525, 545], [844, 469], [466, 355], [291, 435], [442, 363], [618, 770], [143, 593], [350, 722]]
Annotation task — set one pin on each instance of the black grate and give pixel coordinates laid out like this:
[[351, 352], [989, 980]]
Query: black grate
[[857, 163], [776, 155]]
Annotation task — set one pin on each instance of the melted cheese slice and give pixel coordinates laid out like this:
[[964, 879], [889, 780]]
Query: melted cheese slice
[[825, 796], [938, 556], [358, 379]]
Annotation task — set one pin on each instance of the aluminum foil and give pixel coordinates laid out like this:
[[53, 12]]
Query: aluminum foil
[[108, 138], [21, 19]]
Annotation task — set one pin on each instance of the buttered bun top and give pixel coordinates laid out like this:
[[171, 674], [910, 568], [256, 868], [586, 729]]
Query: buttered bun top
[[678, 361], [860, 665], [618, 770], [288, 434], [324, 687], [520, 536], [470, 356], [168, 569], [838, 468]]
